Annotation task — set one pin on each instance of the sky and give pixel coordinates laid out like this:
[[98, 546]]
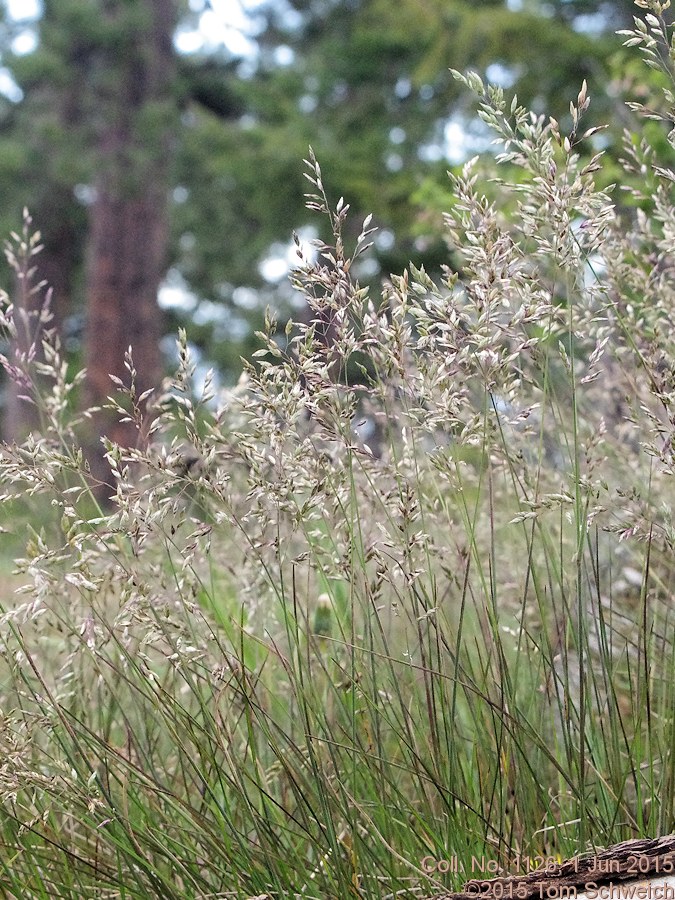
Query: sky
[[231, 23], [225, 22], [23, 9]]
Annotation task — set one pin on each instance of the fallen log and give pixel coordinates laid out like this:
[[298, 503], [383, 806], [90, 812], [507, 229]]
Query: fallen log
[[640, 869]]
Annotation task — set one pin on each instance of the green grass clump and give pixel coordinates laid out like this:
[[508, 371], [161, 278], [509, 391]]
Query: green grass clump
[[401, 599]]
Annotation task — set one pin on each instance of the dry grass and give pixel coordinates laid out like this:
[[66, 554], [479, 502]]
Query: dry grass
[[298, 657]]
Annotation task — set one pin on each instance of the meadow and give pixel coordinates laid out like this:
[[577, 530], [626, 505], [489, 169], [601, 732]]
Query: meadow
[[400, 599]]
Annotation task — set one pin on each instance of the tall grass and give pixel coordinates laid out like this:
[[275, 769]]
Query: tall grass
[[401, 599]]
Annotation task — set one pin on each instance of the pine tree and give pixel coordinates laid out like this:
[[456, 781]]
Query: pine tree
[[133, 82]]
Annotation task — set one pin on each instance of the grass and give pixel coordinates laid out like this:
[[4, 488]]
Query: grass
[[295, 660]]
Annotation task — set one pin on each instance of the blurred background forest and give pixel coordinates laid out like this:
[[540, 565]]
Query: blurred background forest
[[158, 145]]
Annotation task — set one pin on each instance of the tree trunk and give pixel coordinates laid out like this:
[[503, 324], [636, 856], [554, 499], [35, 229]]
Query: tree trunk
[[128, 226]]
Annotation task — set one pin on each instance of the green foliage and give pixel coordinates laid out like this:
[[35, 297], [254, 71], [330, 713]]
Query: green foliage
[[368, 87]]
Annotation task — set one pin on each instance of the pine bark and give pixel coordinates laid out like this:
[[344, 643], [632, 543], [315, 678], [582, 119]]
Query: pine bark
[[129, 216]]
